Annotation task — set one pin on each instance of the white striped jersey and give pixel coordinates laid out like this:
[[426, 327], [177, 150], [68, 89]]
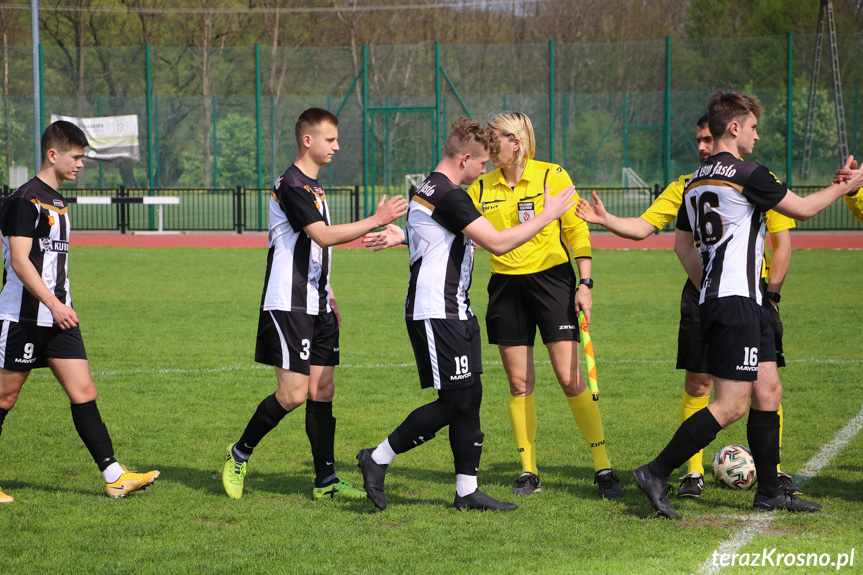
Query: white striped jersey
[[724, 205], [298, 269], [38, 211], [441, 255]]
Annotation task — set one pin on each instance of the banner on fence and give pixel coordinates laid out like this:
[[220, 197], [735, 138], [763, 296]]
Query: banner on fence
[[112, 138]]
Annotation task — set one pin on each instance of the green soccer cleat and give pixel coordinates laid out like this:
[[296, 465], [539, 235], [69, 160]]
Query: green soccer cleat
[[233, 474], [338, 489]]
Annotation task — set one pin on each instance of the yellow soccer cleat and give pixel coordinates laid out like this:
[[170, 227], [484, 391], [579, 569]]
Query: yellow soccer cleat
[[5, 498], [130, 482]]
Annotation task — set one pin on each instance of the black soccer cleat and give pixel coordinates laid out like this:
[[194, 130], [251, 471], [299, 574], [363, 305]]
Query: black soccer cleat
[[609, 484], [373, 478], [656, 490], [785, 500], [788, 483], [691, 485], [527, 484], [481, 501]]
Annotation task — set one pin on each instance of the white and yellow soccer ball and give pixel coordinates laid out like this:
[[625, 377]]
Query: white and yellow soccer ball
[[734, 468]]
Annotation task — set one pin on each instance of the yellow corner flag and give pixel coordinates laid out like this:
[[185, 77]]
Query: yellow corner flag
[[591, 358]]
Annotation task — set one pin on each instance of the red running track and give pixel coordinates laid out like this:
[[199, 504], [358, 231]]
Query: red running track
[[800, 240]]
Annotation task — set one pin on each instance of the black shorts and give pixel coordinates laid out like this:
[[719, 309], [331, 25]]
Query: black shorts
[[776, 323], [689, 341], [295, 340], [448, 352], [25, 345], [518, 304], [737, 337]]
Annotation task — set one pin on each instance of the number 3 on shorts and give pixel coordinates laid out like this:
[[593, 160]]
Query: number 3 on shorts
[[304, 355]]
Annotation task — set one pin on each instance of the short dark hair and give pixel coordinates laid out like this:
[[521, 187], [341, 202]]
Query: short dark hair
[[726, 107], [312, 118], [465, 135], [703, 120], [63, 136]]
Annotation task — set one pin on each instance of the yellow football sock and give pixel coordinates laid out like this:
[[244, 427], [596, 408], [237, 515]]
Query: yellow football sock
[[688, 406], [586, 414], [522, 416], [780, 437]]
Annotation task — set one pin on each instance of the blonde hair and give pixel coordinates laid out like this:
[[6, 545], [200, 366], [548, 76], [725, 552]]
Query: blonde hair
[[516, 125]]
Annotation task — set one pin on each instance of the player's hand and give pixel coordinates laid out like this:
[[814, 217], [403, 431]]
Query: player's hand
[[845, 172], [64, 316], [389, 211], [583, 301], [335, 309], [390, 237], [557, 205], [591, 213]]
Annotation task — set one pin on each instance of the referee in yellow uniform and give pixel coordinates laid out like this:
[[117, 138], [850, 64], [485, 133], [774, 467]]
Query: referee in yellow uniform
[[534, 286]]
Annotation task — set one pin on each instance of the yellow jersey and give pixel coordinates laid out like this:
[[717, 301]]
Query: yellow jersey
[[664, 209], [506, 207], [855, 204]]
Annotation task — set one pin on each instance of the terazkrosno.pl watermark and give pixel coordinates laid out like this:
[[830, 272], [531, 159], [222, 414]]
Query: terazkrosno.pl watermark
[[773, 558]]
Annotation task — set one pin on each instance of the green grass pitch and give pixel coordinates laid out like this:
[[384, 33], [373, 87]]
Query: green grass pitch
[[170, 334]]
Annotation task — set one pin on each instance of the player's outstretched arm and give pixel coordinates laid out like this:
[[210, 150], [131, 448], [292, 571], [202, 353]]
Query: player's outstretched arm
[[388, 211], [684, 247], [802, 209], [498, 243], [595, 213], [854, 198], [390, 237]]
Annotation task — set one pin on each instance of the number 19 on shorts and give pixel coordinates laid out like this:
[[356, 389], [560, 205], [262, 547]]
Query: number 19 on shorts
[[461, 365]]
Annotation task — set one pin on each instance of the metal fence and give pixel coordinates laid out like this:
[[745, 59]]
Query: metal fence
[[243, 209], [220, 117], [224, 209]]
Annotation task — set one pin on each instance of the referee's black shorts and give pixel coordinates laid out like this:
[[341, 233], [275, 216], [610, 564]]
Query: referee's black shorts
[[519, 304]]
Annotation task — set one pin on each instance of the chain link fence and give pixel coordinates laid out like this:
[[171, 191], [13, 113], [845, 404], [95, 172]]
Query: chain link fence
[[217, 118]]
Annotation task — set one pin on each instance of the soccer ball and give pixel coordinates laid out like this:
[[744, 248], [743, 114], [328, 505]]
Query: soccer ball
[[734, 468]]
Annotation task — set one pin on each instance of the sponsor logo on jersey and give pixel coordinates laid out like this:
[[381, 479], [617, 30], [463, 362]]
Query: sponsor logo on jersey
[[526, 211], [49, 245], [60, 203], [747, 368], [425, 190], [22, 360], [460, 376], [50, 220], [716, 169]]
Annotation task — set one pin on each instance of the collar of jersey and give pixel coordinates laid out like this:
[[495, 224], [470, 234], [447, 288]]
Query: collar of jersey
[[526, 175]]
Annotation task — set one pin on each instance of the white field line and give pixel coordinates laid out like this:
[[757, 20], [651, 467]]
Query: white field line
[[813, 467], [255, 367]]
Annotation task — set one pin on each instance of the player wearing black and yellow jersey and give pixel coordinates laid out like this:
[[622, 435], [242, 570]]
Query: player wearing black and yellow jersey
[[698, 384], [534, 286]]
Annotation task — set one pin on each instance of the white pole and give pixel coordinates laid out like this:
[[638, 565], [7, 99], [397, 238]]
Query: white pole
[[37, 96]]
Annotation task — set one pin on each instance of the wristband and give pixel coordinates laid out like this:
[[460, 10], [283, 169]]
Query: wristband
[[405, 232], [774, 296]]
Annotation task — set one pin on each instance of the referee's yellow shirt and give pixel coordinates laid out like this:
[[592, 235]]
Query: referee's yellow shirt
[[664, 209], [506, 207], [855, 204]]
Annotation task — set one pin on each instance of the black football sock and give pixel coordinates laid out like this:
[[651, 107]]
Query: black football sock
[[94, 434], [3, 413], [266, 418], [762, 431], [692, 436], [423, 422], [466, 437], [321, 429]]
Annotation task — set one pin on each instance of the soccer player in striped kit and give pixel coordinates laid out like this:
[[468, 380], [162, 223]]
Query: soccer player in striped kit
[[723, 212], [443, 226], [298, 326], [38, 327]]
